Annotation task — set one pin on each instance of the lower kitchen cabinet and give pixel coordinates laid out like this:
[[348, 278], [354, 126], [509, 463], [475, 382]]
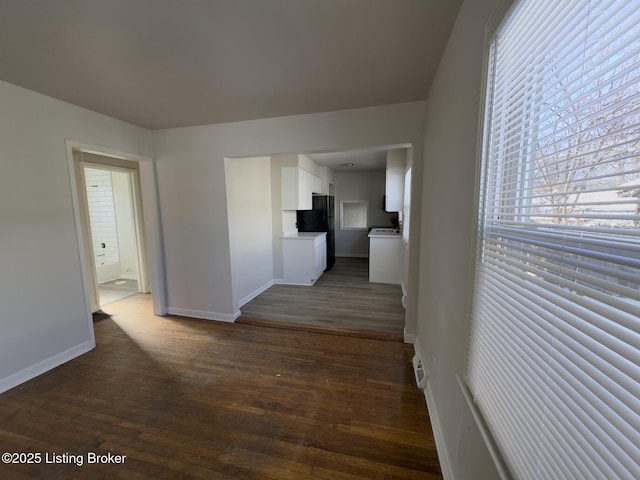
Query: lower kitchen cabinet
[[386, 256], [304, 257]]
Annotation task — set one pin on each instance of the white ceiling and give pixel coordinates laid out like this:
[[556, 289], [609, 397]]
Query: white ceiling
[[374, 158], [171, 63]]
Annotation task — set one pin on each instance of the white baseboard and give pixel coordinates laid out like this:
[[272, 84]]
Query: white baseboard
[[443, 455], [298, 284], [256, 292], [410, 338], [278, 281], [219, 317], [416, 345], [39, 368], [404, 294]]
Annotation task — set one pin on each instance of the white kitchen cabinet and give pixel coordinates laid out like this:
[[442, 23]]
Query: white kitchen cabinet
[[386, 256], [298, 185], [316, 184], [304, 257], [394, 184], [320, 256]]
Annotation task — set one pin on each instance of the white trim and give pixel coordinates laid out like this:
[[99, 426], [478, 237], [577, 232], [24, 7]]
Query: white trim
[[279, 281], [152, 227], [364, 205], [256, 292], [411, 338], [87, 269], [141, 251], [300, 284], [443, 455], [205, 315], [155, 247], [130, 277], [120, 277], [39, 368], [441, 447], [416, 345], [85, 147], [494, 451], [404, 294]]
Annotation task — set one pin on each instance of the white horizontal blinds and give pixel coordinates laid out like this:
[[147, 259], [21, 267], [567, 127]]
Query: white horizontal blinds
[[554, 360]]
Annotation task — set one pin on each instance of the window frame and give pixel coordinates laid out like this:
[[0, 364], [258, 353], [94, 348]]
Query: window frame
[[520, 211], [363, 205]]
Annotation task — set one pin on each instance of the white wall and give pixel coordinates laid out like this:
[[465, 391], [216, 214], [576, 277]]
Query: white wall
[[112, 224], [448, 234], [102, 215], [359, 186], [250, 226], [125, 223], [44, 321], [193, 199]]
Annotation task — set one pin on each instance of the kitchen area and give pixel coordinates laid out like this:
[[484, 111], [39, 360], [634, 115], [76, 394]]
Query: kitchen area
[[338, 241], [366, 216]]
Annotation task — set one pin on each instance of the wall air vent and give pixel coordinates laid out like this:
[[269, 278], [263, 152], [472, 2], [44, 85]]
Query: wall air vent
[[418, 370]]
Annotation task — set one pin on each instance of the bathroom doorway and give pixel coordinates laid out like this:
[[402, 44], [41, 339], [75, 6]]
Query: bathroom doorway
[[110, 197], [113, 232]]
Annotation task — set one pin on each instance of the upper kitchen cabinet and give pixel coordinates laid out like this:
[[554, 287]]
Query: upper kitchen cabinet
[[316, 184], [394, 186], [298, 186], [326, 180]]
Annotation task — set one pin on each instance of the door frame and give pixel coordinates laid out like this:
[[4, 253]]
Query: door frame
[[150, 229]]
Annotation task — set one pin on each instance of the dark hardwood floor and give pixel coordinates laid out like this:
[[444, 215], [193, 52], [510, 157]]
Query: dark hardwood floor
[[342, 299], [184, 398]]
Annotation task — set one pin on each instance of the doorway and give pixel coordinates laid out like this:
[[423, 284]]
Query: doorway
[[112, 225]]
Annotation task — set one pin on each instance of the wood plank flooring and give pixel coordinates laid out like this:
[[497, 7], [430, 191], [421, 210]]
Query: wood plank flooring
[[184, 398], [342, 299]]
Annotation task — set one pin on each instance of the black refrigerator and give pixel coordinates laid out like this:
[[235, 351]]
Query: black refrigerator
[[320, 219]]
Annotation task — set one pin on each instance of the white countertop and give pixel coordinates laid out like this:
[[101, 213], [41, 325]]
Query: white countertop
[[303, 235], [384, 233]]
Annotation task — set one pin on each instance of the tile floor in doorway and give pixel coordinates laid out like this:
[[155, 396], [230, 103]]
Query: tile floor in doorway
[[118, 289]]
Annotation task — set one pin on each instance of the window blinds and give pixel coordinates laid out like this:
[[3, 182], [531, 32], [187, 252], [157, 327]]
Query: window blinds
[[554, 358]]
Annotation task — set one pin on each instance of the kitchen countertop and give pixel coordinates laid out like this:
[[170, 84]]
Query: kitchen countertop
[[303, 235], [384, 233]]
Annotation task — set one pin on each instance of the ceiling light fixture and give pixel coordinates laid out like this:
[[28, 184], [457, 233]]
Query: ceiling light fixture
[[347, 165]]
